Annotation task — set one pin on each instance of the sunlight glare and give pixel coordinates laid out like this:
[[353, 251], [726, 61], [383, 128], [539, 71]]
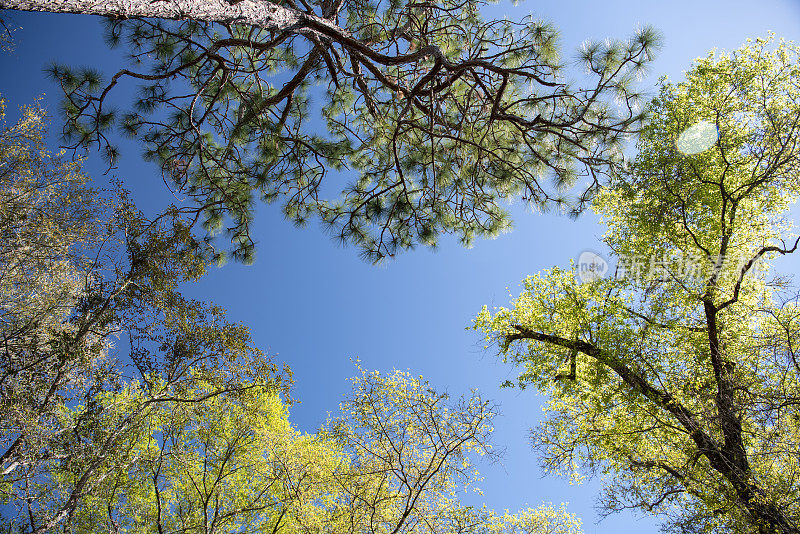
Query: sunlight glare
[[697, 138]]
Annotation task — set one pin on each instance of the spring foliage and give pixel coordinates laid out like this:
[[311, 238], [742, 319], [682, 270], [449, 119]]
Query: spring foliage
[[79, 269], [677, 380], [183, 426]]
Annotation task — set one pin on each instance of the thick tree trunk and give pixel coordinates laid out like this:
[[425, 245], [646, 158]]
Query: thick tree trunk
[[730, 461], [256, 13], [259, 13]]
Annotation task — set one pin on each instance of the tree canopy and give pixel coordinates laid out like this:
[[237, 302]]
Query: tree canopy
[[391, 122], [127, 407], [677, 379], [79, 269]]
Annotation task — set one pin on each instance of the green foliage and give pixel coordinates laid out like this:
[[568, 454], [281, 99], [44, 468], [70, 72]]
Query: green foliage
[[77, 269], [396, 123], [391, 461], [685, 383], [6, 39], [205, 465], [185, 427]]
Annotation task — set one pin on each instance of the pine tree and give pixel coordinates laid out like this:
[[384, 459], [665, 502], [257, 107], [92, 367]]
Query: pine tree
[[391, 122]]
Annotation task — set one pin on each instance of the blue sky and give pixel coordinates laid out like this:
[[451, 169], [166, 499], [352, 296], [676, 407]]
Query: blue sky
[[317, 306]]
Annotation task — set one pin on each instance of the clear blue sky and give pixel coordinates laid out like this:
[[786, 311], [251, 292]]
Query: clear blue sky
[[317, 306]]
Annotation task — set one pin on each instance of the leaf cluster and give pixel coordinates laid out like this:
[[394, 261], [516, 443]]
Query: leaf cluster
[[393, 123]]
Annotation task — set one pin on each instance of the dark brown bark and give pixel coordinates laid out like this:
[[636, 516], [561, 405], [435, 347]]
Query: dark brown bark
[[729, 459]]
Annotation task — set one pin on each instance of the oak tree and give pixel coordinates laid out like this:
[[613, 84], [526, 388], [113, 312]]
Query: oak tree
[[183, 426], [391, 461], [79, 269], [677, 379]]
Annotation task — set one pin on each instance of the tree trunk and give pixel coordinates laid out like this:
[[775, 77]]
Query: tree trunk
[[259, 13]]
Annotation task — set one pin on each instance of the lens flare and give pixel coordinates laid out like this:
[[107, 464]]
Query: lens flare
[[697, 138]]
